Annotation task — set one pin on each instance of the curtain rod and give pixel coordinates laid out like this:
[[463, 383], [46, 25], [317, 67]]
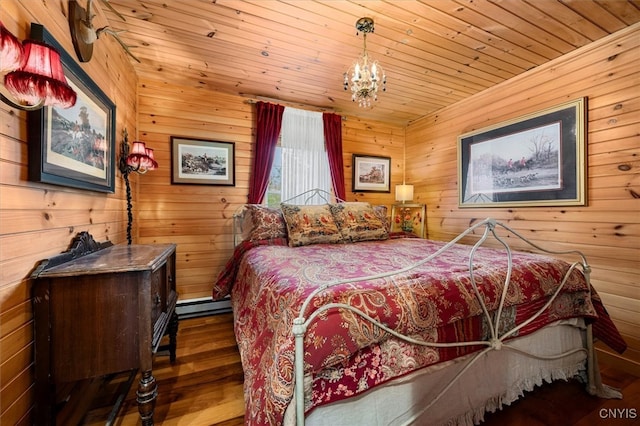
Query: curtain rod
[[255, 99]]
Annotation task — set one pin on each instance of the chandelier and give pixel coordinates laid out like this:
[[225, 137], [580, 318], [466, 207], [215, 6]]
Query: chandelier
[[365, 75]]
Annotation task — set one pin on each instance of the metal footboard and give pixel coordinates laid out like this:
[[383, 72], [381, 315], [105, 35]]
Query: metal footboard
[[497, 339]]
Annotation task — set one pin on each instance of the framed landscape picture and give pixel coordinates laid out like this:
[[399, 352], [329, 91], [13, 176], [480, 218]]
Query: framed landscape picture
[[73, 147], [371, 173], [534, 160], [202, 162]]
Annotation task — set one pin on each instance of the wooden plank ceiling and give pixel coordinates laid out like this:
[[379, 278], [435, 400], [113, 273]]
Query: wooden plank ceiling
[[434, 52]]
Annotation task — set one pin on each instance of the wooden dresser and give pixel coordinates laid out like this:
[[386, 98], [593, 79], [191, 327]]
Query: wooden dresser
[[101, 309]]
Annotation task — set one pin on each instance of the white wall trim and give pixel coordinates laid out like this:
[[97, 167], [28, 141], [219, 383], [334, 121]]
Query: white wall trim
[[204, 306]]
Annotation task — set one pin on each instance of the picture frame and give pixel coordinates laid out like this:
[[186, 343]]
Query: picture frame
[[537, 159], [409, 217], [202, 162], [371, 173], [73, 147]]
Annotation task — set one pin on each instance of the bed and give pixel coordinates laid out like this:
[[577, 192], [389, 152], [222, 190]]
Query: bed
[[381, 328]]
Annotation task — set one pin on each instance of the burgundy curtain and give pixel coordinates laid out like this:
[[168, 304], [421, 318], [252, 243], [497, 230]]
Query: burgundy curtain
[[268, 121], [333, 142]]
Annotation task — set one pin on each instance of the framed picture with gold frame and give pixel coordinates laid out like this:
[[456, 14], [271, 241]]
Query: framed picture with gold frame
[[409, 217], [534, 160]]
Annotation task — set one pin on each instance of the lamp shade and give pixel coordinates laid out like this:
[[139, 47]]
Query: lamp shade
[[139, 148], [141, 158], [138, 155], [40, 78], [152, 164], [11, 52], [404, 192]]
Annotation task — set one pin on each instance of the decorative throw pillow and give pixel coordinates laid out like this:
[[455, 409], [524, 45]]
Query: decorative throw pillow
[[381, 211], [267, 223], [358, 222], [310, 225], [245, 223]]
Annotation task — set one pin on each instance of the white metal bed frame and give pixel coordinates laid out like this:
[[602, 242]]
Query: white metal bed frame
[[497, 340]]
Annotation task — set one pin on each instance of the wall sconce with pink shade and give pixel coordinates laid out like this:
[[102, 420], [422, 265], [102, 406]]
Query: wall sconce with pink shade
[[138, 159], [32, 74]]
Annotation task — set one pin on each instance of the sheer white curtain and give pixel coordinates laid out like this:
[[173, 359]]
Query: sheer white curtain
[[305, 164]]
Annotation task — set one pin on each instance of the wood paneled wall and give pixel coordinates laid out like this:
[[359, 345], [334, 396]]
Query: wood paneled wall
[[40, 220], [607, 230], [198, 217]]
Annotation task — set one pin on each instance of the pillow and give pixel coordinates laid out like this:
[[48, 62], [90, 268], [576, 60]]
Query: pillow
[[263, 223], [381, 212], [310, 225], [245, 222], [358, 222]]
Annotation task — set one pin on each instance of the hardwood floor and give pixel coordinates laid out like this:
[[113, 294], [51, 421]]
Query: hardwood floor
[[204, 387]]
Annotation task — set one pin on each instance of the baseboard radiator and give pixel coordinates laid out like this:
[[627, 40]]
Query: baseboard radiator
[[205, 306]]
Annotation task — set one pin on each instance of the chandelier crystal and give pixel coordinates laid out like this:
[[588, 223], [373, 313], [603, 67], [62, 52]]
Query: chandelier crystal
[[365, 76]]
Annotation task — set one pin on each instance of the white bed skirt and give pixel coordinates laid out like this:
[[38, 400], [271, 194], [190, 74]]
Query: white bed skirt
[[496, 379]]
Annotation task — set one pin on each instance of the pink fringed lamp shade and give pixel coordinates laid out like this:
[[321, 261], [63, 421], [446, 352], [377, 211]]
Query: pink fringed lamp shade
[[150, 163], [138, 151], [11, 52], [40, 78], [141, 158]]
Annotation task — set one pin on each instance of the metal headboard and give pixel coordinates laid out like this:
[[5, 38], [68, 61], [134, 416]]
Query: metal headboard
[[306, 198]]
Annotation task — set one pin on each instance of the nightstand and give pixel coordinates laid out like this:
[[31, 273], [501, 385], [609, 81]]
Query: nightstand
[[101, 309]]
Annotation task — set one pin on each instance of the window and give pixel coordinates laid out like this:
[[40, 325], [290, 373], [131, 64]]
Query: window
[[300, 163], [273, 197]]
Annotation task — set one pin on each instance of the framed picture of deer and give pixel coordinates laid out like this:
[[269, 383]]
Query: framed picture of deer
[[370, 173], [533, 160], [202, 162]]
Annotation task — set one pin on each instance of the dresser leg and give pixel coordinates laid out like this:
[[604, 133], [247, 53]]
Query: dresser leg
[[147, 393], [173, 332]]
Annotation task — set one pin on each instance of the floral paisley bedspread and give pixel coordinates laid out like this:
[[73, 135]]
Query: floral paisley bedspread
[[345, 355]]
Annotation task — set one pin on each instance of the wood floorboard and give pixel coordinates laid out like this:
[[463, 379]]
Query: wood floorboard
[[204, 387]]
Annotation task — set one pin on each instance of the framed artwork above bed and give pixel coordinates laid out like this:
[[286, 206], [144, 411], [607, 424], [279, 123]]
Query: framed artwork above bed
[[371, 173], [533, 160], [202, 162]]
